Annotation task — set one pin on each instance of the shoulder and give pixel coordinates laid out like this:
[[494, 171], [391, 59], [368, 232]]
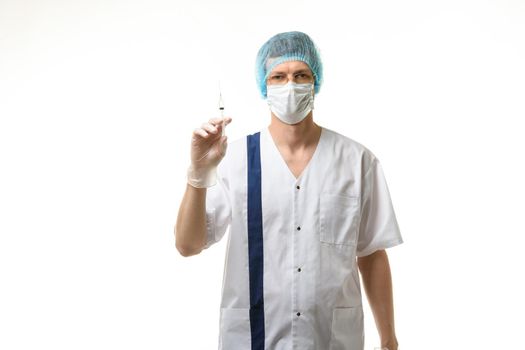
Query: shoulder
[[348, 147], [238, 144], [235, 154]]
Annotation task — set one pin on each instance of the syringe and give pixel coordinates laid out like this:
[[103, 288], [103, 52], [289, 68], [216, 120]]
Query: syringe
[[221, 108]]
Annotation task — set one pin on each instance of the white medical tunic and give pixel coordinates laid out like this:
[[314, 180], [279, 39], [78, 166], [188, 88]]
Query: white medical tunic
[[313, 228]]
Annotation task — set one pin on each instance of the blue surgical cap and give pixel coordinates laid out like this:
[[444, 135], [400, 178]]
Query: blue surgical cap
[[288, 46]]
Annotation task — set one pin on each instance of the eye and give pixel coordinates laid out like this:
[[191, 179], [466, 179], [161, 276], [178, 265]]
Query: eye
[[302, 76], [276, 77]]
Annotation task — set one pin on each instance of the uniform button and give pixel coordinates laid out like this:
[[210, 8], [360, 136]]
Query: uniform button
[[298, 314], [298, 187], [298, 228], [299, 270]]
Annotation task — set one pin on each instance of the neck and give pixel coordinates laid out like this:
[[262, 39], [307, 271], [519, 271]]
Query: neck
[[295, 137]]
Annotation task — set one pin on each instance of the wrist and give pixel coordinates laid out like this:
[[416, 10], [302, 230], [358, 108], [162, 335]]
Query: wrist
[[390, 343], [202, 177]]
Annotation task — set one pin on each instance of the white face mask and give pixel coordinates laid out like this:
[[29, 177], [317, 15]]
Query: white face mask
[[291, 102]]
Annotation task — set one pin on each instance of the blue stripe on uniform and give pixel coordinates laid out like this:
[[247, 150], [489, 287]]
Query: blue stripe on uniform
[[255, 242]]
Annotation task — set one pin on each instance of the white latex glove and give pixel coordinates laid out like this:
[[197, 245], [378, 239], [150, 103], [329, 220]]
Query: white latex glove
[[208, 148]]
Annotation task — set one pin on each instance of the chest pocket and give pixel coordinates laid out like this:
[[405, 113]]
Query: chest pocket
[[339, 219]]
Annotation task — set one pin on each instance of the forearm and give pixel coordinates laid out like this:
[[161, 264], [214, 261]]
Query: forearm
[[190, 229], [377, 281]]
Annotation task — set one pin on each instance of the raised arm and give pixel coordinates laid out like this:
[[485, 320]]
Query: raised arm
[[208, 147]]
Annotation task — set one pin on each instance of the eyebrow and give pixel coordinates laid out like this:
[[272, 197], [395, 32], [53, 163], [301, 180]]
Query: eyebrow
[[296, 72]]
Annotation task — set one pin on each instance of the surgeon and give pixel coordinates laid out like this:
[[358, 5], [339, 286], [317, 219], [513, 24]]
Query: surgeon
[[308, 211]]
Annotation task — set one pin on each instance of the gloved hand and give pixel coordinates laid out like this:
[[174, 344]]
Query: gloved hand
[[208, 148]]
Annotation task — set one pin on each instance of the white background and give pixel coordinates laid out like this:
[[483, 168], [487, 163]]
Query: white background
[[98, 100]]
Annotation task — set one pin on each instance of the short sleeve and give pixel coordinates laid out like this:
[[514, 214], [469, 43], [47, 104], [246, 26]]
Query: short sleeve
[[378, 228], [218, 207]]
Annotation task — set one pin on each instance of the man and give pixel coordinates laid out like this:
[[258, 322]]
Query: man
[[307, 208]]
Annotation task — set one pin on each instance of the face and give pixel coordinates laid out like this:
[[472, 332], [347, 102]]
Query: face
[[296, 71]]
